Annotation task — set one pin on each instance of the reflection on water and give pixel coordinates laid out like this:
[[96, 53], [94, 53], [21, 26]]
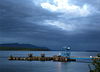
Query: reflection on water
[[39, 66], [59, 67]]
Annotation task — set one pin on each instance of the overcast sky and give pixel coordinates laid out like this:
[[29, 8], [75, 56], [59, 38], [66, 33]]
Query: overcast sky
[[51, 23]]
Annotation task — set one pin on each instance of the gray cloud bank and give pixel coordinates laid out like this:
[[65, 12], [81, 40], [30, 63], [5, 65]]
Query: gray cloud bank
[[28, 22]]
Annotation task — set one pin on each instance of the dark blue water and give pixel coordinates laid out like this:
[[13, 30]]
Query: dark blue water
[[39, 66]]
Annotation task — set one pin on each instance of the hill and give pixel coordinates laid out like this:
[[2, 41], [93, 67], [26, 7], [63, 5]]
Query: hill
[[22, 47]]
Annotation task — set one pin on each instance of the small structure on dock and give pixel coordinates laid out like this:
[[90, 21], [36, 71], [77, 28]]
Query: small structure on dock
[[66, 51]]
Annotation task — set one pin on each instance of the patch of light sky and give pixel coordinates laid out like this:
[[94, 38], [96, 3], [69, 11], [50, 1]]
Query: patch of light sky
[[67, 9], [63, 6], [61, 25]]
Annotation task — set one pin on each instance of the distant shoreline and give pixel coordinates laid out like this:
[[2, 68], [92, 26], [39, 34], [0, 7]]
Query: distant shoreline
[[17, 50], [22, 49], [48, 50]]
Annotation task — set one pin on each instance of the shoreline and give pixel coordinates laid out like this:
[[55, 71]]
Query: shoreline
[[48, 50]]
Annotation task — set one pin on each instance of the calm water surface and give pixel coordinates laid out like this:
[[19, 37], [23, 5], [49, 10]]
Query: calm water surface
[[39, 66]]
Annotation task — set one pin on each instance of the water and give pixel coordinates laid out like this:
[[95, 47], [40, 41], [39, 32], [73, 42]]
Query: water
[[39, 66]]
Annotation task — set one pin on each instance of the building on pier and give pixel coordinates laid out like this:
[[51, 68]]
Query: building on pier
[[66, 51]]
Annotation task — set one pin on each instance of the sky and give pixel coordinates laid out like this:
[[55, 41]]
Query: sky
[[51, 23]]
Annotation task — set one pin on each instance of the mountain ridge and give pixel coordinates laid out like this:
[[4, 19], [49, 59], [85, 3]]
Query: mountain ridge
[[17, 46]]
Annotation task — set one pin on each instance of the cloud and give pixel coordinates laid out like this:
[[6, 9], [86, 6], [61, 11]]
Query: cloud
[[74, 25], [63, 6], [58, 24]]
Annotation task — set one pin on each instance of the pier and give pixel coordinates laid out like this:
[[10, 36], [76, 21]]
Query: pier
[[42, 57]]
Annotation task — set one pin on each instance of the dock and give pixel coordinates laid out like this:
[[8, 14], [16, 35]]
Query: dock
[[58, 58], [42, 57]]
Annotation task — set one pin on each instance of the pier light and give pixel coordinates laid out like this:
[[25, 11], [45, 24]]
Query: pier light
[[90, 56], [68, 48]]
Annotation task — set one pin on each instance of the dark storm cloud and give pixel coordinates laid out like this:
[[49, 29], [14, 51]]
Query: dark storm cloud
[[23, 22], [20, 17]]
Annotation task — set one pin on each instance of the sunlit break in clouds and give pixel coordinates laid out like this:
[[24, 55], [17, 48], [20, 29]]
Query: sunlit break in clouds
[[66, 9], [60, 25], [63, 6]]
